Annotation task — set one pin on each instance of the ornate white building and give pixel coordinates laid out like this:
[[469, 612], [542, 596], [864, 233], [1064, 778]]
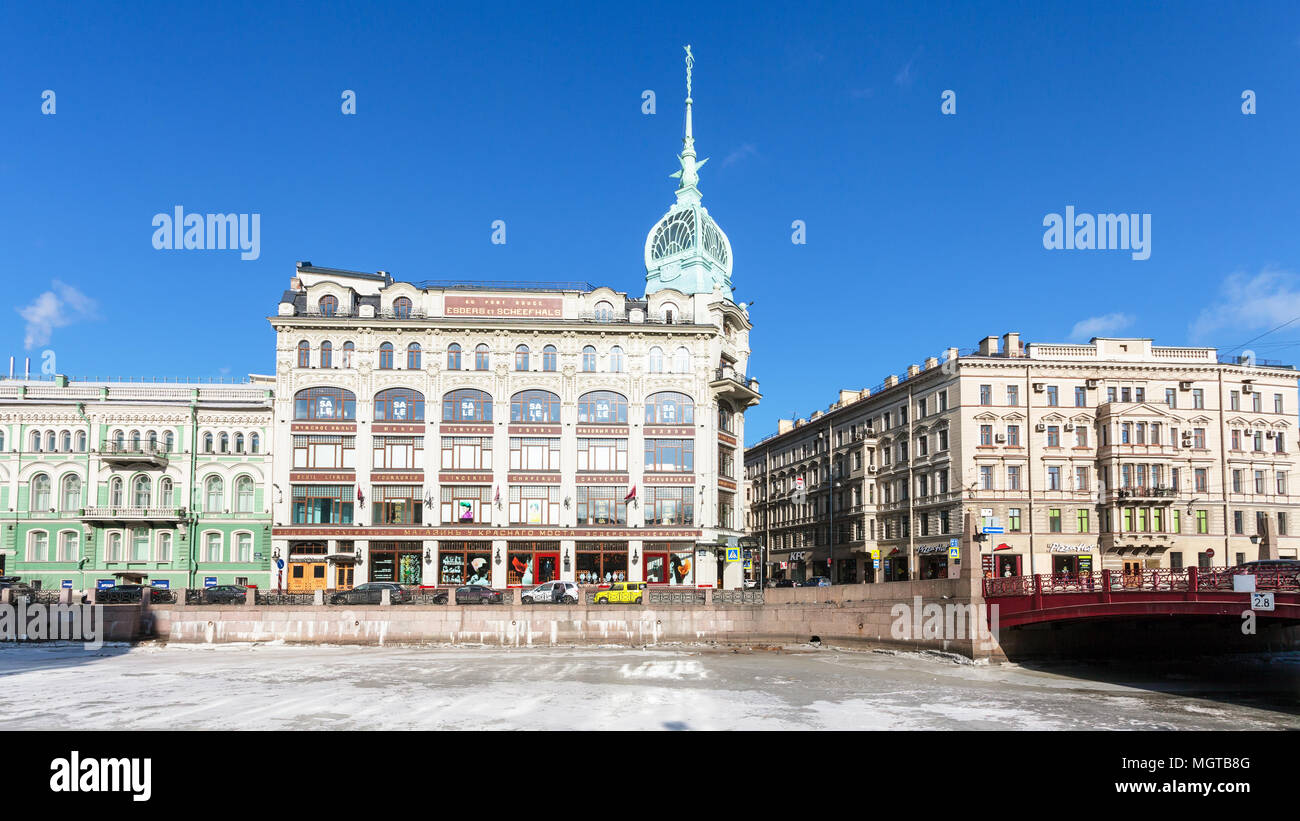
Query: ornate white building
[[444, 432]]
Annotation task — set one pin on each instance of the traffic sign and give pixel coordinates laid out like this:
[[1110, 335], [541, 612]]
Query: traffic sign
[[733, 554], [991, 530], [954, 553], [1261, 601]]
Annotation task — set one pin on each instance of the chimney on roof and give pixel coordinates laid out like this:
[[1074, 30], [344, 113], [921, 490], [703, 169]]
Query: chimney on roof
[[989, 346], [849, 396], [913, 370], [784, 425], [1011, 344]]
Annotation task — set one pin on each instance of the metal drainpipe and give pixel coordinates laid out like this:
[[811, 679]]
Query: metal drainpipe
[[830, 497], [912, 568], [1029, 474], [1223, 476], [88, 487]]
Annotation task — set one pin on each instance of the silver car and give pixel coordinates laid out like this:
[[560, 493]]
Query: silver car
[[552, 592]]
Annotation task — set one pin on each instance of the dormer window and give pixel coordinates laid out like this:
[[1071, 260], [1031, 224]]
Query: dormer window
[[604, 312], [402, 308], [329, 305]]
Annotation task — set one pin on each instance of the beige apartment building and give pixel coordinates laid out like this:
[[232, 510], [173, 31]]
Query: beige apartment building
[[1111, 455]]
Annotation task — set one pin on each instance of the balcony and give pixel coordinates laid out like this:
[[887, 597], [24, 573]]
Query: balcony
[[729, 384], [132, 514], [128, 454], [1138, 493]]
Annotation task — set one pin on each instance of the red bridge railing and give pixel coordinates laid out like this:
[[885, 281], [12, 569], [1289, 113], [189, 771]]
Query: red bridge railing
[[1196, 579]]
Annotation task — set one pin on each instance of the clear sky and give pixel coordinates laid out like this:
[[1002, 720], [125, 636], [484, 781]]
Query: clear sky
[[924, 230]]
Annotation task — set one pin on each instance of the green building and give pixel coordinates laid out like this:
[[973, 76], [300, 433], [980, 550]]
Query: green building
[[162, 483]]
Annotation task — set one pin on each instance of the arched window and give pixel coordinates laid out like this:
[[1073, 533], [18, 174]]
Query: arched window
[[165, 492], [164, 547], [656, 360], [225, 443], [214, 491], [36, 441], [212, 547], [141, 492], [69, 545], [616, 363], [326, 355], [588, 359], [548, 358], [670, 311], [153, 440], [65, 441], [115, 492], [40, 493], [348, 349], [604, 311], [413, 356], [207, 443], [467, 405], [669, 408], [115, 547], [304, 354], [602, 408], [239, 443], [243, 547], [325, 403], [254, 443], [135, 440], [38, 546], [534, 406], [49, 442], [81, 441], [119, 440], [453, 357], [482, 361], [402, 308], [682, 361], [71, 492], [244, 494], [521, 358], [399, 405], [329, 305], [2, 440], [386, 356]]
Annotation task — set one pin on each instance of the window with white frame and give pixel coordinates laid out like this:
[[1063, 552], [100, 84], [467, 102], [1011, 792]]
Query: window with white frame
[[602, 455], [38, 546], [466, 453], [535, 505], [212, 547]]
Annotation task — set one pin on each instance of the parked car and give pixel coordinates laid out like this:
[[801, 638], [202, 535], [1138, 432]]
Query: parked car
[[130, 593], [1268, 564], [817, 581], [622, 593], [478, 594], [785, 583], [553, 592], [225, 594], [19, 588], [372, 593], [751, 584]]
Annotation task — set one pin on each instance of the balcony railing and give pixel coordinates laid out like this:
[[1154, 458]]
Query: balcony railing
[[131, 513], [1167, 580]]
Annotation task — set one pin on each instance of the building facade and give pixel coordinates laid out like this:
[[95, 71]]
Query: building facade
[[441, 433], [1117, 454], [114, 482]]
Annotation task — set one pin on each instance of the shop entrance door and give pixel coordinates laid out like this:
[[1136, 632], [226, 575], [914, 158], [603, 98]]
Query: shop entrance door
[[1133, 574], [305, 577], [1007, 565], [547, 567], [656, 568], [343, 577]]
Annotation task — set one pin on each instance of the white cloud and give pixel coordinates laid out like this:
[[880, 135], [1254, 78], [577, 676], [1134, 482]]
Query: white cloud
[[746, 150], [1103, 325], [56, 308], [1246, 302]]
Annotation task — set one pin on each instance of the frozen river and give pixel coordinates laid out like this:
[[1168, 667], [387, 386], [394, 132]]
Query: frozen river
[[795, 688]]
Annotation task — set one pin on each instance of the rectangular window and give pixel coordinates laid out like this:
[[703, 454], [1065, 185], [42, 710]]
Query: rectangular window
[[986, 435], [323, 504], [1238, 522], [1202, 521], [466, 504], [1080, 436], [324, 452], [1054, 477], [1081, 520], [1234, 400], [1171, 399], [602, 505], [1202, 480], [1013, 395], [534, 453], [399, 452], [1054, 520], [943, 400], [1013, 520], [602, 455], [398, 504], [1053, 436], [669, 505], [466, 453], [1198, 438], [1052, 396], [670, 455], [986, 477], [986, 398], [1080, 397], [1013, 477], [1198, 398], [1013, 436], [534, 505], [1277, 403], [1081, 478], [943, 440]]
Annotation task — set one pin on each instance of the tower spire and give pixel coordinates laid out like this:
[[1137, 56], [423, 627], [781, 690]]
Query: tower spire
[[689, 173]]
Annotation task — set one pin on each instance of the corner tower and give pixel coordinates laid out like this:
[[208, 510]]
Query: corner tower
[[686, 250]]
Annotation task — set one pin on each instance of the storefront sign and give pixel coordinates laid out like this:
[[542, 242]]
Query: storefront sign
[[323, 427], [1057, 547], [661, 479], [327, 478], [523, 307], [931, 548]]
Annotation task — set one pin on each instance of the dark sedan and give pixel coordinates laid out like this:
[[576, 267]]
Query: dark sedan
[[478, 594], [372, 593], [225, 594], [17, 589], [132, 593]]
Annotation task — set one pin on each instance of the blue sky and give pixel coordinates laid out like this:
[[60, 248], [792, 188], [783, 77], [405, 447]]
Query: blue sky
[[923, 230]]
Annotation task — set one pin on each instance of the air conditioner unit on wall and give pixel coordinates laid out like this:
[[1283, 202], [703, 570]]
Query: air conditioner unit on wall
[[1246, 388], [1000, 438], [1092, 383], [1040, 427], [1184, 386], [1039, 387], [1069, 426]]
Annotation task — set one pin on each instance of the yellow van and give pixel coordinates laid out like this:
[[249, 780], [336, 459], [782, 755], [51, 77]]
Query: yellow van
[[622, 593]]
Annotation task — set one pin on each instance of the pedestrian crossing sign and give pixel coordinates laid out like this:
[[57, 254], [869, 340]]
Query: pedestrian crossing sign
[[733, 554]]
